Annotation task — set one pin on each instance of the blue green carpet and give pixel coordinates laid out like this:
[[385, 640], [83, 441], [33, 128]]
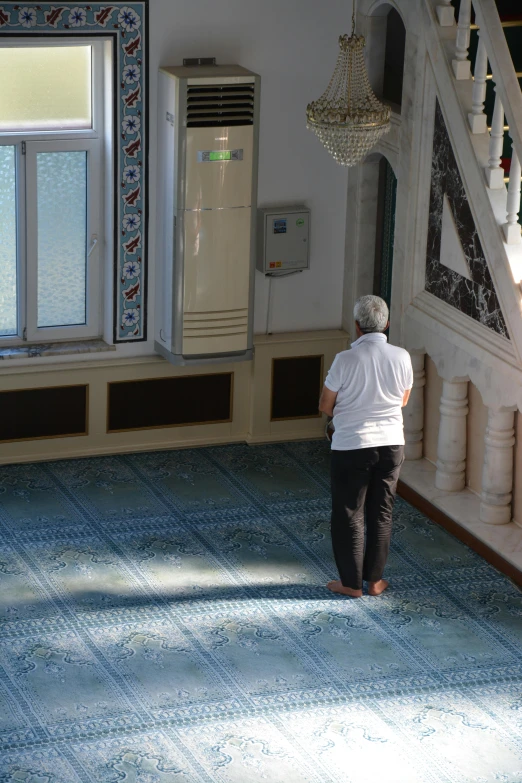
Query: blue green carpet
[[164, 620]]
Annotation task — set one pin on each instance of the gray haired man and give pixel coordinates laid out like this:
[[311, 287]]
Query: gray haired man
[[365, 390]]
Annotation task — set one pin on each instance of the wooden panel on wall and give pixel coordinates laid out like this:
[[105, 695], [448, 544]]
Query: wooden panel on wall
[[169, 402], [296, 387], [50, 412], [432, 394]]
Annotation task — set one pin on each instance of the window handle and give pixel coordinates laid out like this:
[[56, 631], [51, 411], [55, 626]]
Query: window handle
[[94, 242]]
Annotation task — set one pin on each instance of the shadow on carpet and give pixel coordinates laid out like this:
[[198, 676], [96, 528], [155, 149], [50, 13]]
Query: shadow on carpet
[[164, 619]]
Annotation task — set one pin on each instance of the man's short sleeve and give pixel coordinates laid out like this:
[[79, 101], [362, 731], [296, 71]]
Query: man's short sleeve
[[408, 375], [333, 379]]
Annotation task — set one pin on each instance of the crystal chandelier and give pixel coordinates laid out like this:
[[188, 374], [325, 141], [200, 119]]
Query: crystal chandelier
[[348, 118]]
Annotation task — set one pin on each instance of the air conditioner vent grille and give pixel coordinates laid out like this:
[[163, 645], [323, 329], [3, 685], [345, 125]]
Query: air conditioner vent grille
[[210, 106]]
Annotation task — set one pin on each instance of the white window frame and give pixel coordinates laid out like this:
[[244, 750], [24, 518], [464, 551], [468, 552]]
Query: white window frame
[[27, 144], [92, 310]]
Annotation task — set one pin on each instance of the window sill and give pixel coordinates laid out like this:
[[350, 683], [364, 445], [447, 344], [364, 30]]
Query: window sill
[[34, 351]]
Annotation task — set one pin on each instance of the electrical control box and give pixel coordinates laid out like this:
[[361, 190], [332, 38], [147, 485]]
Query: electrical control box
[[283, 235]]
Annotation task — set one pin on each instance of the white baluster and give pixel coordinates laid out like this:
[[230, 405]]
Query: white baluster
[[413, 413], [494, 172], [497, 473], [461, 64], [446, 14], [512, 226], [477, 119], [451, 448]]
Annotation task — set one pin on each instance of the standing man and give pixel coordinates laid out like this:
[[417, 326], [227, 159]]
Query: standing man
[[365, 390]]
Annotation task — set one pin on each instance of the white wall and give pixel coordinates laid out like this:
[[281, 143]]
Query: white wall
[[292, 44]]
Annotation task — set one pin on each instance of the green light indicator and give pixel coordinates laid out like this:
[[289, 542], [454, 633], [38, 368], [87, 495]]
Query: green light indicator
[[299, 222], [220, 155]]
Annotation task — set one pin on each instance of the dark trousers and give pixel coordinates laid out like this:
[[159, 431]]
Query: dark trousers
[[364, 483]]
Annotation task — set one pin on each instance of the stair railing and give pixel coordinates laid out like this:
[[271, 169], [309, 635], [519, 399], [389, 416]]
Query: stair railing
[[492, 49]]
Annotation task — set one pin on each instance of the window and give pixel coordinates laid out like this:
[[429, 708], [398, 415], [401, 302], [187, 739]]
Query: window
[[51, 197]]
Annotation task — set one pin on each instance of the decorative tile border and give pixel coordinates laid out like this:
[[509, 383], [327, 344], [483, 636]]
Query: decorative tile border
[[128, 24]]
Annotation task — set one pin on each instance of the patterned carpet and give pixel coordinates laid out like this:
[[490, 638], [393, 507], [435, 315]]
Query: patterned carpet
[[164, 619]]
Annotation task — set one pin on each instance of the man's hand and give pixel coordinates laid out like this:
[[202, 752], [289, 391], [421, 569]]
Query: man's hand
[[329, 429], [327, 401]]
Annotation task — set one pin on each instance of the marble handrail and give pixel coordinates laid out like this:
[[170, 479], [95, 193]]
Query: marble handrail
[[500, 60], [509, 96], [492, 48]]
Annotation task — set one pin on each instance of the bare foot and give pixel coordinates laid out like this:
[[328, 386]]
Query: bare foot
[[376, 588], [336, 586]]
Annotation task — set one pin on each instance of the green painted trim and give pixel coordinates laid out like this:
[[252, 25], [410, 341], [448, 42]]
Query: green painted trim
[[388, 234]]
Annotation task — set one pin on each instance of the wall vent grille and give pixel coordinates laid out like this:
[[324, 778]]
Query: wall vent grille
[[215, 105]]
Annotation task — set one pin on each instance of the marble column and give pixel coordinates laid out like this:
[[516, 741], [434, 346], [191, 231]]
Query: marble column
[[494, 171], [461, 64], [497, 473], [413, 413], [451, 449], [477, 118], [512, 226]]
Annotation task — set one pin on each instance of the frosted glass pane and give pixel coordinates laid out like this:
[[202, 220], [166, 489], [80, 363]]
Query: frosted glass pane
[[8, 284], [62, 237], [45, 88]]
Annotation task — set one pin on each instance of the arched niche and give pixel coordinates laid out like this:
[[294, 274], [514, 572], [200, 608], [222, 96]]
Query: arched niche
[[384, 230], [386, 33], [370, 232], [394, 58]]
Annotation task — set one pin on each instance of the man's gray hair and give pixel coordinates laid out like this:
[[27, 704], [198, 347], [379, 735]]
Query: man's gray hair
[[371, 313]]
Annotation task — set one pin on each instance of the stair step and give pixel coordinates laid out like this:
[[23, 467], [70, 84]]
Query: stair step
[[518, 73], [506, 23]]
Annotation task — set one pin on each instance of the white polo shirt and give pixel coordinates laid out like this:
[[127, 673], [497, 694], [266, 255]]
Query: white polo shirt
[[370, 381]]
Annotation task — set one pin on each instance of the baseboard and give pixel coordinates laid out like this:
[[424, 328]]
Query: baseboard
[[188, 443], [462, 534], [286, 436], [105, 451]]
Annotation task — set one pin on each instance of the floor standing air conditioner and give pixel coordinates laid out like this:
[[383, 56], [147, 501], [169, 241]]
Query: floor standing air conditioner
[[207, 175]]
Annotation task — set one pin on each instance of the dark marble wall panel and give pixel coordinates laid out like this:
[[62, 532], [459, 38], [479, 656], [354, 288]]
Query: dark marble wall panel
[[476, 297]]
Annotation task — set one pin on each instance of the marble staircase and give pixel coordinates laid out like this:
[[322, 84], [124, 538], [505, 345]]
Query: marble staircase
[[455, 146], [510, 13], [475, 51], [488, 52]]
